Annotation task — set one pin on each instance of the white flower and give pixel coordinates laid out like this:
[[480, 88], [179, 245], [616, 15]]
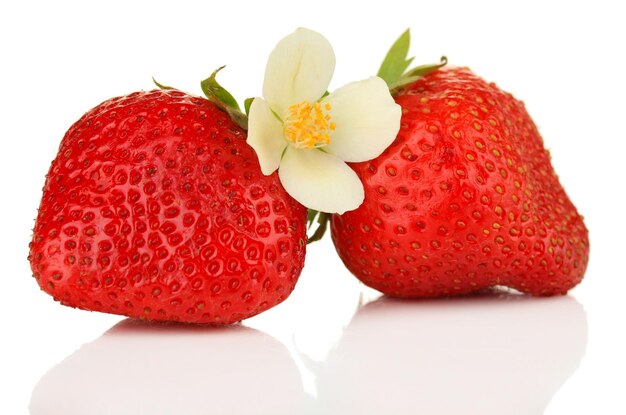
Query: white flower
[[309, 137]]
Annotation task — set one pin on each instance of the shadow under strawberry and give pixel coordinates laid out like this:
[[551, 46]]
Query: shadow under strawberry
[[164, 368], [495, 353]]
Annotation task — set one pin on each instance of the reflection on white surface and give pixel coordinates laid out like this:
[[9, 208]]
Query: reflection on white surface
[[141, 369], [498, 353], [494, 354]]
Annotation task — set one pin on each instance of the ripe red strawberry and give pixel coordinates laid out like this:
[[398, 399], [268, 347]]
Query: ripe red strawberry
[[155, 207], [465, 198]]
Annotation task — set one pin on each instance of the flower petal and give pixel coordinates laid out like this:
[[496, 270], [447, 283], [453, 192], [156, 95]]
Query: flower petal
[[366, 117], [320, 181], [265, 136], [298, 69]]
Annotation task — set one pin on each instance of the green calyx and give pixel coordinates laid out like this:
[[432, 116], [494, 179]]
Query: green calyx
[[396, 61], [218, 95], [394, 69], [246, 105], [162, 86]]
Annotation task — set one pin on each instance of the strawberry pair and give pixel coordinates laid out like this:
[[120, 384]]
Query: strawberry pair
[[156, 207]]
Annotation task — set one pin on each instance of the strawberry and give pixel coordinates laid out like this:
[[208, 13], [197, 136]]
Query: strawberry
[[156, 208], [465, 198]]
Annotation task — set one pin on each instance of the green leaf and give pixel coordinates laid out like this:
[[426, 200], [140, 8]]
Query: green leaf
[[415, 74], [396, 60], [212, 89], [246, 105], [403, 81], [422, 70], [223, 99]]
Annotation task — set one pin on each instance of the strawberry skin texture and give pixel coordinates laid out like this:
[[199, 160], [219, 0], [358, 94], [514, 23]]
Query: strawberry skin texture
[[156, 208], [464, 199]]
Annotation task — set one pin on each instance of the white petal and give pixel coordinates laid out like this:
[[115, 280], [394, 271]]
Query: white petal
[[366, 117], [298, 69], [265, 136], [320, 181]]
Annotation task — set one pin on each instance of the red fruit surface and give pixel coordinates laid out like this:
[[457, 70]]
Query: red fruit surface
[[156, 208], [465, 198]]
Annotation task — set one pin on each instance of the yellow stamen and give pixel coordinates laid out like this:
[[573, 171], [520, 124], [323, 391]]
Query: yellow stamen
[[309, 126]]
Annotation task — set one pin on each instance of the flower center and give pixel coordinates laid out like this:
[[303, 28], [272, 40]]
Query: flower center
[[309, 126]]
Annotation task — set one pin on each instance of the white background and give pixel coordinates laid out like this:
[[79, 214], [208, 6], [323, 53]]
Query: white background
[[319, 350]]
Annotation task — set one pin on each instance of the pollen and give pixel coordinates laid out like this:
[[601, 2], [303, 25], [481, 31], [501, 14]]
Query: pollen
[[309, 126]]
